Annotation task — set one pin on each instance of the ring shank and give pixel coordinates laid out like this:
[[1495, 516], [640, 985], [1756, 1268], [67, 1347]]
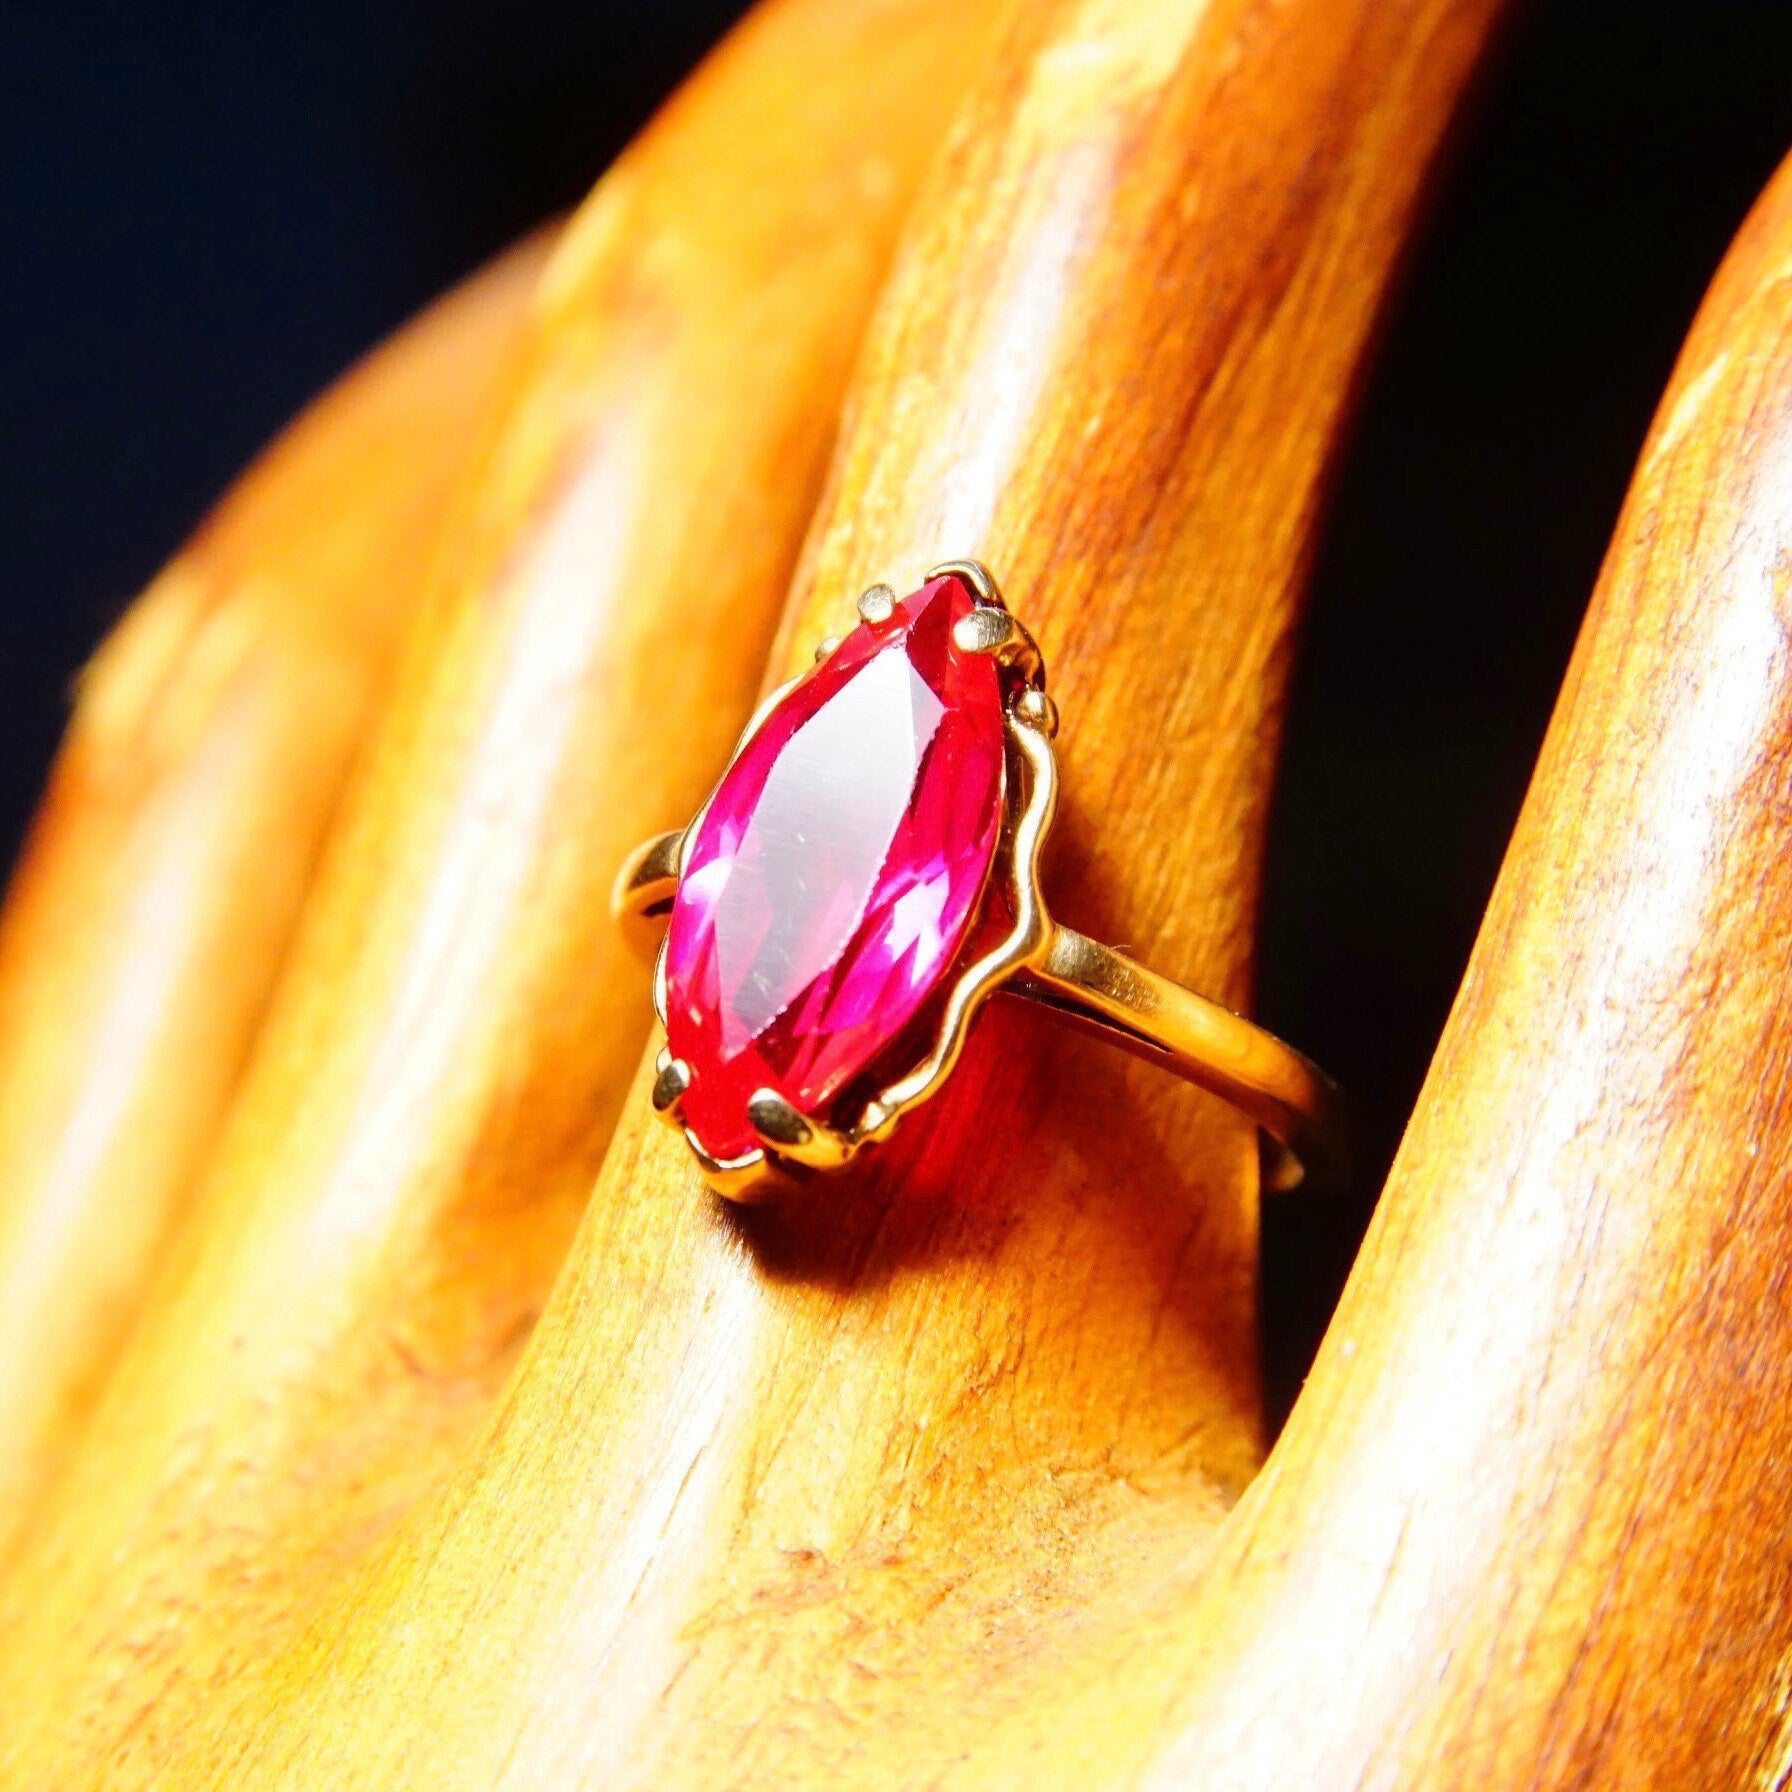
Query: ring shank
[[1290, 1098]]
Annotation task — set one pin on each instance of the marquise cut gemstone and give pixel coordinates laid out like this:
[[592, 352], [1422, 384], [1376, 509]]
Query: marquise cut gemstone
[[837, 869]]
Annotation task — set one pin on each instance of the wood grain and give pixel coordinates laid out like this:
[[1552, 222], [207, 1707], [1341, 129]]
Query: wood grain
[[430, 1096], [158, 891], [817, 1496], [1526, 1528]]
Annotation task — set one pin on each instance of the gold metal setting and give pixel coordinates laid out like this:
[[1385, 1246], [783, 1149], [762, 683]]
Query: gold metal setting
[[1298, 1108]]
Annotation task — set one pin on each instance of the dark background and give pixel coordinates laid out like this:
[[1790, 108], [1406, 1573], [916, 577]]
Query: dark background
[[206, 211]]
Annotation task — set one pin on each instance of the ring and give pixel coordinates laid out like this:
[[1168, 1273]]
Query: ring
[[866, 874]]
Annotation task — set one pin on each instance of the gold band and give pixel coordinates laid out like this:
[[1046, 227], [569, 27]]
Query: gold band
[[1298, 1107]]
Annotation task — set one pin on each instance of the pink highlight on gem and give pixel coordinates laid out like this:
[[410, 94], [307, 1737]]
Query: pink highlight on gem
[[837, 869]]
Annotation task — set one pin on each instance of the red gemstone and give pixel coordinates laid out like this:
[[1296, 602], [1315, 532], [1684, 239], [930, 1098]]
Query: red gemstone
[[837, 869]]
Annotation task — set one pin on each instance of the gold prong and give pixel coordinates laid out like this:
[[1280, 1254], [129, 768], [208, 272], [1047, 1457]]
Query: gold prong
[[776, 1121], [1003, 638], [1037, 710], [825, 647], [982, 631], [975, 574], [794, 1135], [669, 1085], [877, 603]]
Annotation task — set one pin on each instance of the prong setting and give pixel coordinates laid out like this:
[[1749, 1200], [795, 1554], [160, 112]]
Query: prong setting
[[793, 1135], [672, 1079], [1002, 636], [777, 1122], [1036, 710], [877, 604]]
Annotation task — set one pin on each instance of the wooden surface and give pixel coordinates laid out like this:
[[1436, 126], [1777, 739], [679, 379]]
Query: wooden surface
[[1527, 1524], [949, 1473], [158, 892], [431, 1093], [815, 1497]]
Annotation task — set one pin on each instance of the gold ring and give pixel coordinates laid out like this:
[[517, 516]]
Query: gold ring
[[865, 875]]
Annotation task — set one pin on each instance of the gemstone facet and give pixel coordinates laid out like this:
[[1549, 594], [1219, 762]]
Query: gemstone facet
[[837, 869]]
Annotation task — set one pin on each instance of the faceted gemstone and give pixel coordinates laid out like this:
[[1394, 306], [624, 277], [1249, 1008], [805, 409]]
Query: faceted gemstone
[[837, 869]]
